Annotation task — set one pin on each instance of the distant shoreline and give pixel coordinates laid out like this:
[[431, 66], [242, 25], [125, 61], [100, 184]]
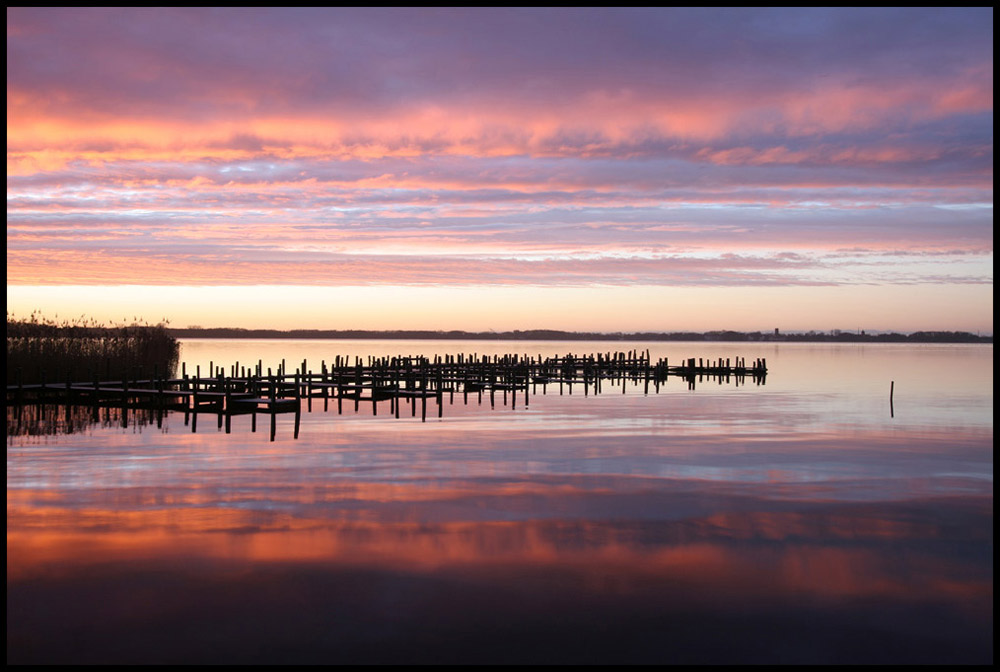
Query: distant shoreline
[[554, 335]]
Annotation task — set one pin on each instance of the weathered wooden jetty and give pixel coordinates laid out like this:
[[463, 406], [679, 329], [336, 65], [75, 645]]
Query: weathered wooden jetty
[[400, 380]]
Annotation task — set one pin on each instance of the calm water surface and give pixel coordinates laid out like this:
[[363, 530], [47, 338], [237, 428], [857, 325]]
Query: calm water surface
[[799, 521]]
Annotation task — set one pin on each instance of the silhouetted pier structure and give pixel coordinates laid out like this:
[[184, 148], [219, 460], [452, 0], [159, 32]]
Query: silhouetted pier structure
[[400, 380]]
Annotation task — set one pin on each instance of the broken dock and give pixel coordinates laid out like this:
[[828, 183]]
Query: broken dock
[[401, 380]]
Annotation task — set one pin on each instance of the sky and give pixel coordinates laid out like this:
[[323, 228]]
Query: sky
[[601, 169]]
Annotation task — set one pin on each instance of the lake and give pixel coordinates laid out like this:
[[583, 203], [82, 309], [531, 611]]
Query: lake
[[805, 520]]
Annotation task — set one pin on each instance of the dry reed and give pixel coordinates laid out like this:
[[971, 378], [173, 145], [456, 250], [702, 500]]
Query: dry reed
[[82, 350]]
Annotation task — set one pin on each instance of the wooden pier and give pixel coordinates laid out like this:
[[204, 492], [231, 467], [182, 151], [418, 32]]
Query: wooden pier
[[400, 380]]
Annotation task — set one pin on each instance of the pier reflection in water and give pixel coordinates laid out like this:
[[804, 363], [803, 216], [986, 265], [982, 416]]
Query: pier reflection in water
[[396, 379], [46, 419], [759, 525]]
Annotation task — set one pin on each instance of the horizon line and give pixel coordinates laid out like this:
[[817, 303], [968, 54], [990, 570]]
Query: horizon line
[[558, 334]]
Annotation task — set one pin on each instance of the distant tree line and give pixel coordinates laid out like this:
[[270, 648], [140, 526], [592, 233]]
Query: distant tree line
[[835, 335]]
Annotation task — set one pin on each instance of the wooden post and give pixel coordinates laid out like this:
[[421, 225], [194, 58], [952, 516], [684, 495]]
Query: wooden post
[[423, 401], [223, 405], [228, 410], [440, 392]]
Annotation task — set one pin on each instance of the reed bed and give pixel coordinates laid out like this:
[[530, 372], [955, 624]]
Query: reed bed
[[40, 350]]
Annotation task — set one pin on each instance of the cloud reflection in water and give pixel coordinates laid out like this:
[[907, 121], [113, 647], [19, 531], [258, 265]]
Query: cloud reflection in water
[[620, 528]]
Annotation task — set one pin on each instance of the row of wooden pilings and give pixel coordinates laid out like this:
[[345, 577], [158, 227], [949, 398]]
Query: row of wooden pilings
[[399, 379], [501, 370]]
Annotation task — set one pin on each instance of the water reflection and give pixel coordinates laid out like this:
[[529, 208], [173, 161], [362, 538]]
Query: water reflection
[[716, 577], [40, 420], [791, 524]]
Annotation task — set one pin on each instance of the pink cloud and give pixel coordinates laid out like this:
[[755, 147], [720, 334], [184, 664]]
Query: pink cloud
[[577, 147]]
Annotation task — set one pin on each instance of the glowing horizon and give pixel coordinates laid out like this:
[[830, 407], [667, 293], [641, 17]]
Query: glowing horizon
[[578, 169]]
